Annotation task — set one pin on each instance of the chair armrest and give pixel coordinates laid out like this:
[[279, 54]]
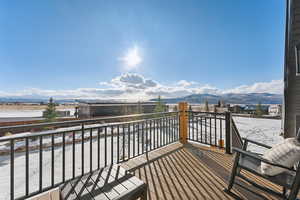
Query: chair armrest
[[254, 156], [257, 143]]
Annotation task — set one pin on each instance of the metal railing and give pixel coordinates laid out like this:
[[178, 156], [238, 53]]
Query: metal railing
[[210, 128], [46, 159]]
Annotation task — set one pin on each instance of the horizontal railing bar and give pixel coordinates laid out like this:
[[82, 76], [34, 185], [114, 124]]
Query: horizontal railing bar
[[212, 113], [81, 121], [205, 143], [220, 117], [205, 124], [70, 129], [203, 118]]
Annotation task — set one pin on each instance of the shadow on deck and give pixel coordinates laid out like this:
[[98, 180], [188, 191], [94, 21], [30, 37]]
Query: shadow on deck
[[191, 171]]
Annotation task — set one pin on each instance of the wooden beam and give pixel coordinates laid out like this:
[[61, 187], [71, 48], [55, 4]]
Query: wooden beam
[[183, 121]]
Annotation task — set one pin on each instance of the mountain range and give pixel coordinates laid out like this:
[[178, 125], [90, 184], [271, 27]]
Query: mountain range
[[250, 98], [231, 98], [33, 100]]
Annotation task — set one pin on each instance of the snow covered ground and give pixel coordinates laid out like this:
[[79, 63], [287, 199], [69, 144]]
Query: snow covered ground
[[263, 130], [27, 113], [266, 131]]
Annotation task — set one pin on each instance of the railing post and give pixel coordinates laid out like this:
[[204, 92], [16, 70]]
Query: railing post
[[228, 136], [183, 122]]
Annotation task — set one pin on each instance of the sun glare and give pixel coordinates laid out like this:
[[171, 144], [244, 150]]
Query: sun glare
[[132, 58]]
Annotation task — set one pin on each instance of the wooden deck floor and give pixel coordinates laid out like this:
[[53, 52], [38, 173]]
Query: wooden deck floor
[[191, 172]]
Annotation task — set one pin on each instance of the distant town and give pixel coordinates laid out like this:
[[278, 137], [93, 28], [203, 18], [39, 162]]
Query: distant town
[[83, 109]]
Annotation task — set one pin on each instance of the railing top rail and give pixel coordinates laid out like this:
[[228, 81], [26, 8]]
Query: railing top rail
[[77, 128], [82, 121]]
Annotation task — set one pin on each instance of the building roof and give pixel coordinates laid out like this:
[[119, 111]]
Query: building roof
[[113, 102]]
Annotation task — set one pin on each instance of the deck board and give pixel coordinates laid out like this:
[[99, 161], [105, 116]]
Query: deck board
[[112, 182], [192, 171]]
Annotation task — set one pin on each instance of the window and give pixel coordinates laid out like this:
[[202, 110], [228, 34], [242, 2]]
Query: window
[[297, 51]]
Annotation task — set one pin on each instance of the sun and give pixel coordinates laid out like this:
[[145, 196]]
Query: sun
[[132, 58]]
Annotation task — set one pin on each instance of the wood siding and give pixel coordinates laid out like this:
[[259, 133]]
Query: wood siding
[[88, 111], [292, 81]]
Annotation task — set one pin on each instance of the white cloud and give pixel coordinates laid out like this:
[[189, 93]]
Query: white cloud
[[274, 86], [133, 86], [184, 83], [130, 80]]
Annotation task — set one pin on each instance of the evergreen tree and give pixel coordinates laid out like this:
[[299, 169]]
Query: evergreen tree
[[50, 112], [219, 103], [160, 107], [206, 108], [259, 111]]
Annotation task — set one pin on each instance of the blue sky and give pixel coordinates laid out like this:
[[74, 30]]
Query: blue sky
[[139, 48]]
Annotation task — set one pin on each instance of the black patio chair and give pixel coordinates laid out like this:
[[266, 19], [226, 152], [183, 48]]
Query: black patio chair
[[250, 161]]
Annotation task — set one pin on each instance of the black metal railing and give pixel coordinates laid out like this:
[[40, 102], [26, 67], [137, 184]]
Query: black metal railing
[[43, 160], [209, 128]]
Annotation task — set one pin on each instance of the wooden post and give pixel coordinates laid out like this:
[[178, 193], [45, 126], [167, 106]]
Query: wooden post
[[183, 122], [228, 136], [221, 143]]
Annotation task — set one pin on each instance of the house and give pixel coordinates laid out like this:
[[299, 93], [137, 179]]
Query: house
[[251, 109], [236, 109], [88, 109], [275, 110], [291, 107]]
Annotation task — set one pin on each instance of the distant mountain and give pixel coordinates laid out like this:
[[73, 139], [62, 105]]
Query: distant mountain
[[250, 98], [22, 100], [33, 100]]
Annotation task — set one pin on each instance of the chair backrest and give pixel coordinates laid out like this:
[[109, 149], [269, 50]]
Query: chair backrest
[[298, 135], [237, 141], [297, 176]]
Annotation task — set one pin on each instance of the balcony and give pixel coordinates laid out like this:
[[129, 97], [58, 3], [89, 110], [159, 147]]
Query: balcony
[[180, 155], [191, 171]]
